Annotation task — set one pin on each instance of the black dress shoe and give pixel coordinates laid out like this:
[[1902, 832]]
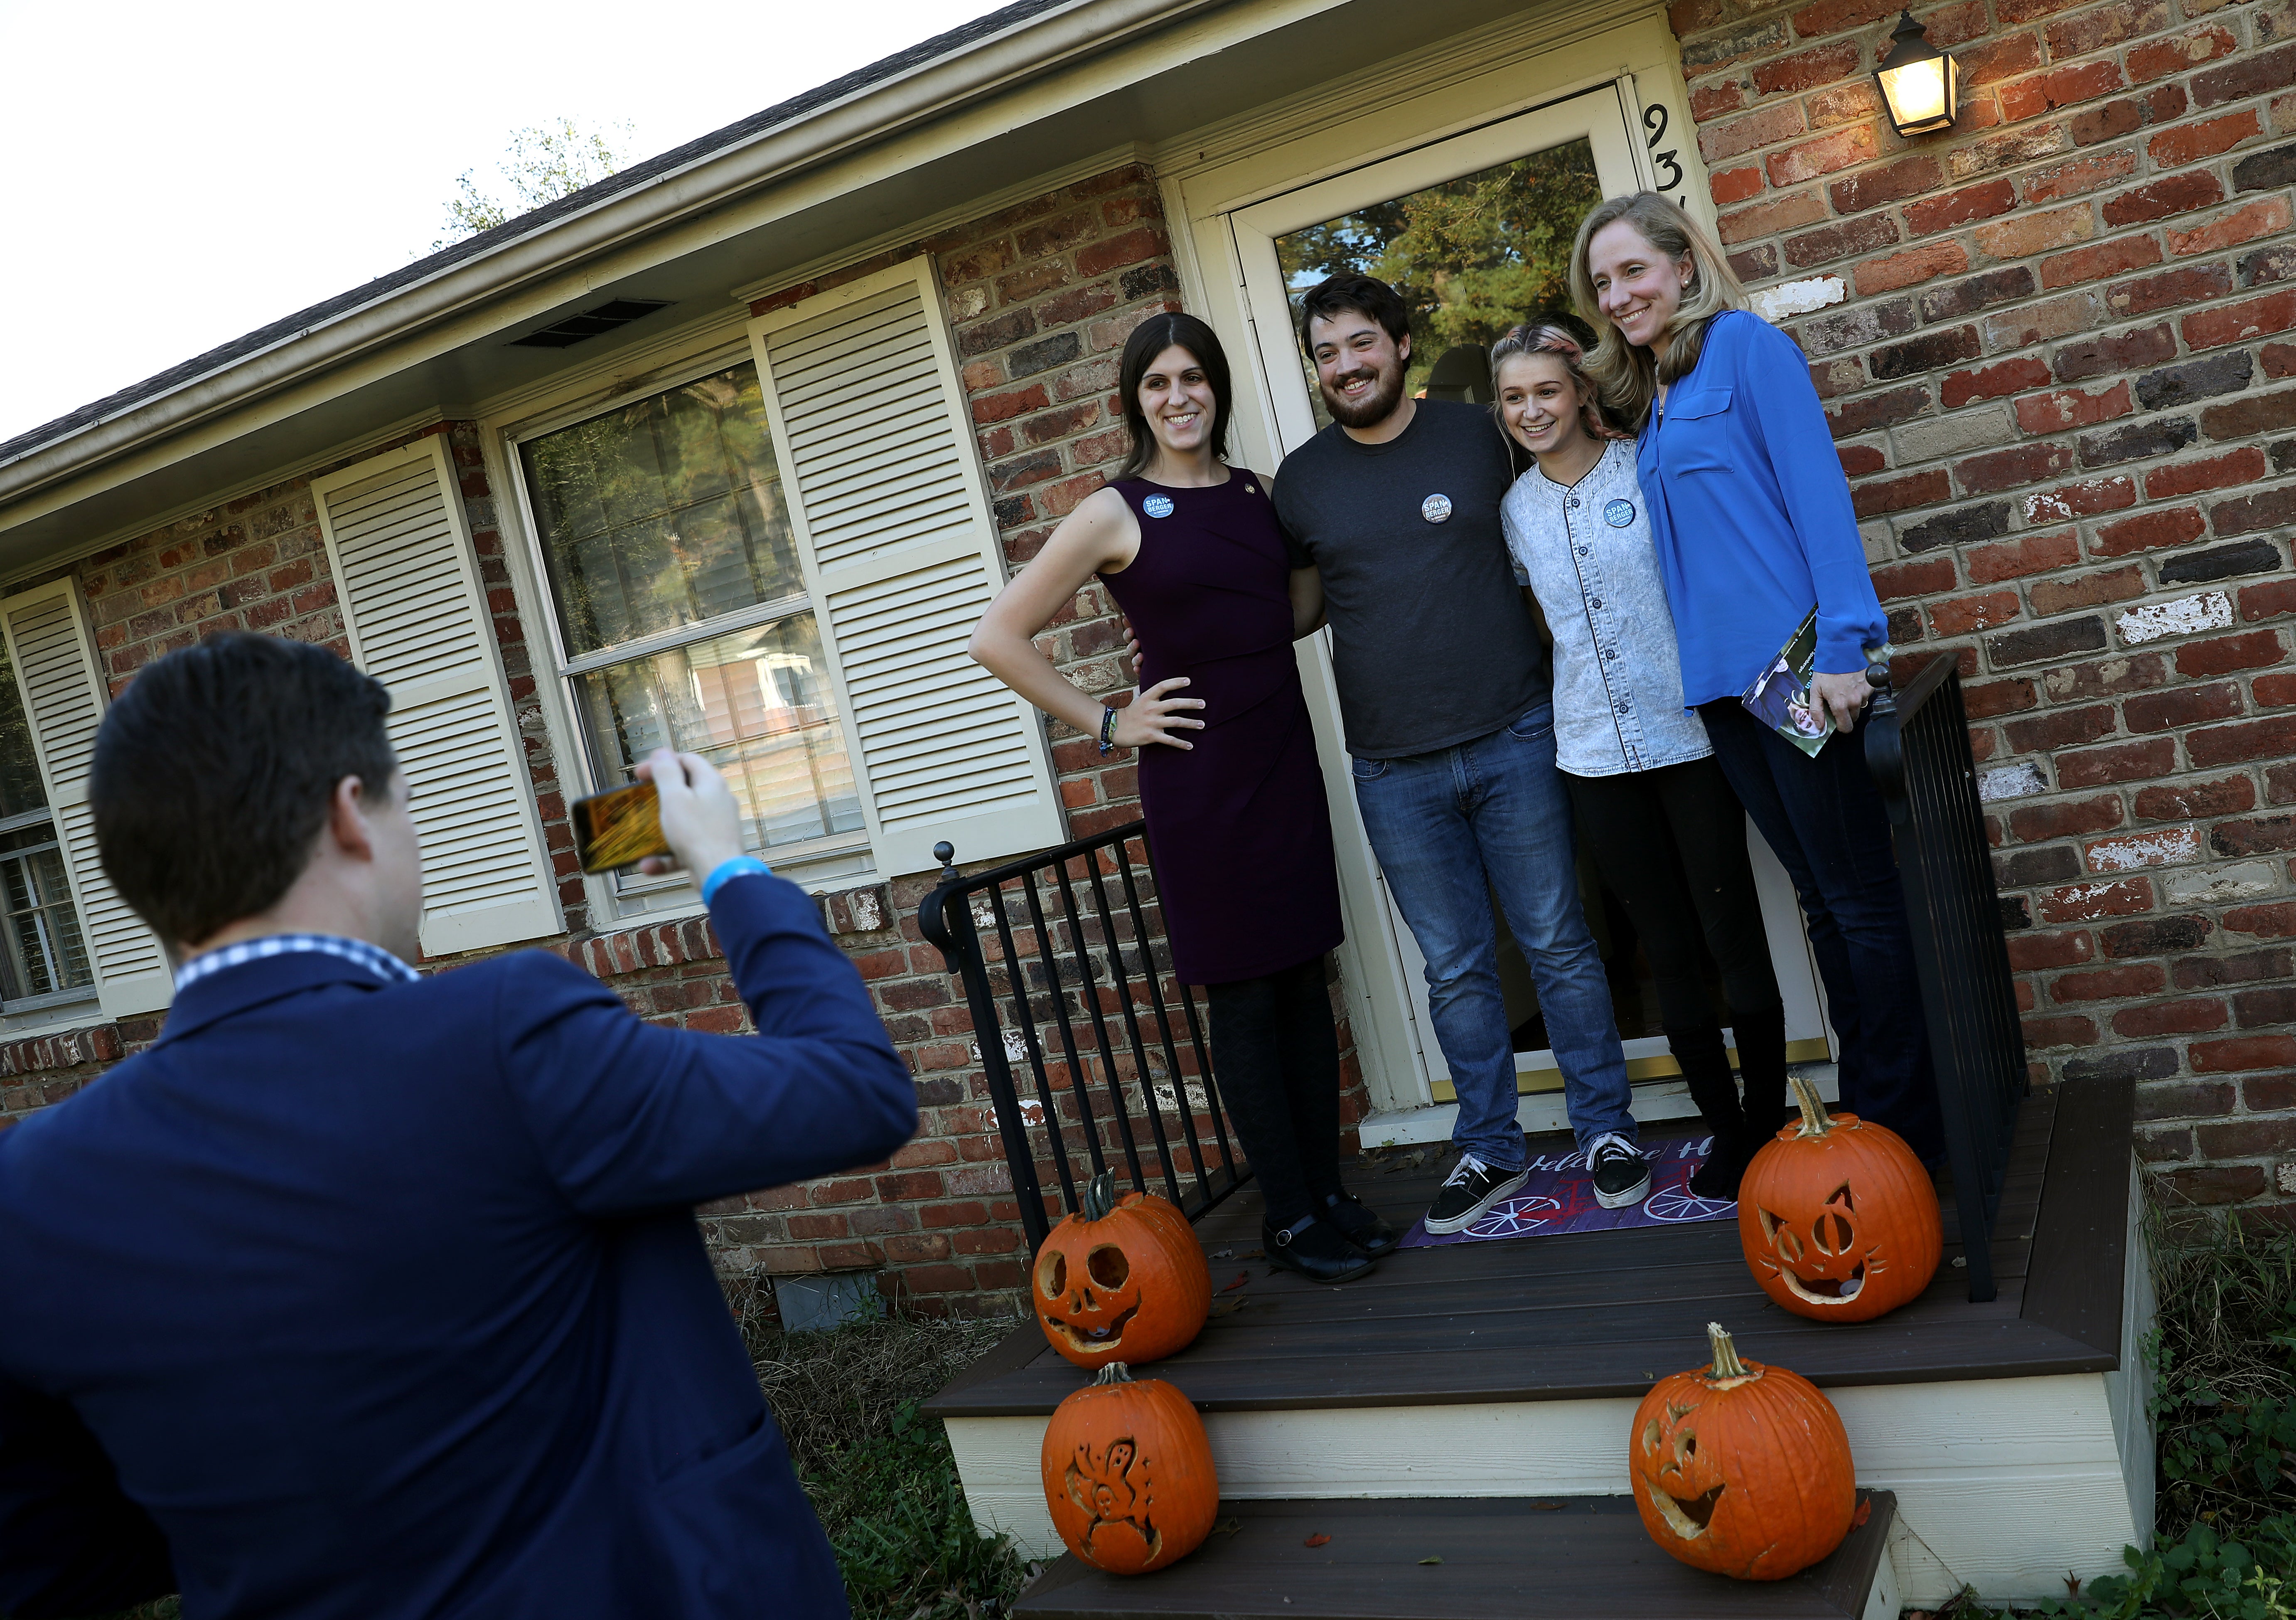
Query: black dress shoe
[[1356, 1222], [1314, 1250]]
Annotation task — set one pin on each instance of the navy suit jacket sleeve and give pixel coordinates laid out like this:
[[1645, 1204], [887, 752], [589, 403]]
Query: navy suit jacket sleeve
[[71, 1542], [631, 1116]]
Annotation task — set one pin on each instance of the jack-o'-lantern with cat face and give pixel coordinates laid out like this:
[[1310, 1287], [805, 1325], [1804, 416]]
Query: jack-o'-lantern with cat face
[[1121, 1280], [1837, 1218]]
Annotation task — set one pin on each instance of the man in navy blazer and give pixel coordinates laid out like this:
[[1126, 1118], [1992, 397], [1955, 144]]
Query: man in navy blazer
[[366, 1295]]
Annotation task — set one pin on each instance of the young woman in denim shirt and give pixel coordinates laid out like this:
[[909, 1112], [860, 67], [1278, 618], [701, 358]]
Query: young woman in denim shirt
[[1753, 528], [1650, 805]]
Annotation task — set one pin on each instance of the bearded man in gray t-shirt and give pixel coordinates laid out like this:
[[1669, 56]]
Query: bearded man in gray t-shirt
[[1443, 685]]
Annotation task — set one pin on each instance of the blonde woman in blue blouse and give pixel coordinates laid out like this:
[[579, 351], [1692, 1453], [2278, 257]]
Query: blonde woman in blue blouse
[[1651, 806], [1753, 525]]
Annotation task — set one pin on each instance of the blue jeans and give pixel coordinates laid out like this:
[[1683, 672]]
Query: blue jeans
[[1451, 828], [1825, 820]]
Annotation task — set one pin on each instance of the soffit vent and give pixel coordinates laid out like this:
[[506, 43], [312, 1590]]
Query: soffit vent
[[579, 328]]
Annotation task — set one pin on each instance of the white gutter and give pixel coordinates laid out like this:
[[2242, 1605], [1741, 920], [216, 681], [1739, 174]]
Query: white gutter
[[872, 114]]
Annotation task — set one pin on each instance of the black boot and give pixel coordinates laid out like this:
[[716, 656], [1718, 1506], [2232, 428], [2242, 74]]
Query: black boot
[[1762, 1067], [1353, 1220], [1706, 1072], [1314, 1250]]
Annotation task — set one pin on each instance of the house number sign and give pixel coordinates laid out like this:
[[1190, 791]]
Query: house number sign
[[1669, 171]]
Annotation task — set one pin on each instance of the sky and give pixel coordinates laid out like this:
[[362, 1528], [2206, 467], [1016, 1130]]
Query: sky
[[179, 174]]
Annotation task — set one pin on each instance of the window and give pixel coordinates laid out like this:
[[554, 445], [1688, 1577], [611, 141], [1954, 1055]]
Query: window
[[43, 958], [684, 610]]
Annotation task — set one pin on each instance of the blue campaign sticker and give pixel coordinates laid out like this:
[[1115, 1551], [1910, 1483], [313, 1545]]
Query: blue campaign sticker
[[1619, 514], [1157, 506]]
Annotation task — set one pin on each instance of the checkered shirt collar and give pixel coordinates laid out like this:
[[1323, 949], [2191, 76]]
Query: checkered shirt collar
[[374, 959]]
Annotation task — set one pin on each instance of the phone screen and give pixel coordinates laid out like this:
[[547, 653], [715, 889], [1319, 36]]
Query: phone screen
[[619, 828]]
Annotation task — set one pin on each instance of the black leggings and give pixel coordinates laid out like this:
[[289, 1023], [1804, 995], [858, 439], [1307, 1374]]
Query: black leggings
[[1276, 1057], [1671, 844]]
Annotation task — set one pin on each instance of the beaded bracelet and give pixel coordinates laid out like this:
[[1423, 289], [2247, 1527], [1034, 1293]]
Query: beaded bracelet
[[1108, 728]]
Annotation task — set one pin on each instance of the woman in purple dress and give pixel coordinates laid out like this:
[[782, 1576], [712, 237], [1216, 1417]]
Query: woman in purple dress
[[1237, 823]]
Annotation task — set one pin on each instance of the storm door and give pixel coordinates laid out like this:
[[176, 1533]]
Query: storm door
[[1475, 233]]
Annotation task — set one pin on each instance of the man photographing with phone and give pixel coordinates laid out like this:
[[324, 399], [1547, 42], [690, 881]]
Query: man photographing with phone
[[365, 1295]]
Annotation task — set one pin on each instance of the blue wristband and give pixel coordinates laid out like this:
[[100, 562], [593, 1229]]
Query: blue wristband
[[740, 866]]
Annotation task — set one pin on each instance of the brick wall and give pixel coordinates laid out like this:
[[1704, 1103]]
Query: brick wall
[[1040, 298], [2055, 346]]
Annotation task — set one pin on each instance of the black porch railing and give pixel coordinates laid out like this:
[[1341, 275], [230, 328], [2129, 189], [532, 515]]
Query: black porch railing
[[1917, 749], [1065, 970]]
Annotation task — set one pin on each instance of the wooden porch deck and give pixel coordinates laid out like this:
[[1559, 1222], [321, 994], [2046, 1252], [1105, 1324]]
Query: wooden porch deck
[[1603, 1314]]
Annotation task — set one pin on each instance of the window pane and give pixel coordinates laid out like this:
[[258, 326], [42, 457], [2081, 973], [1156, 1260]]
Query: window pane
[[757, 705], [43, 947], [19, 767], [1469, 258], [663, 513]]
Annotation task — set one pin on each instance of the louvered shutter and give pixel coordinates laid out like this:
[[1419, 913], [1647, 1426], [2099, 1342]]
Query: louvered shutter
[[408, 584], [902, 555], [64, 694]]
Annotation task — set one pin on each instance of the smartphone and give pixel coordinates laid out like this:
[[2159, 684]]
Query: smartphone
[[619, 828]]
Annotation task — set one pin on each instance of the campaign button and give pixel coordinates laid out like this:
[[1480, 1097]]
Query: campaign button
[[1157, 506], [1435, 508]]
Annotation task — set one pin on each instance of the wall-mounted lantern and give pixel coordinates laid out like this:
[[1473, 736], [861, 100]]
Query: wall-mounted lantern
[[1919, 84]]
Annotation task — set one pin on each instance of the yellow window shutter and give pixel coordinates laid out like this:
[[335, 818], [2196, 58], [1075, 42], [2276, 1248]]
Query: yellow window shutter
[[901, 554], [54, 656], [407, 580]]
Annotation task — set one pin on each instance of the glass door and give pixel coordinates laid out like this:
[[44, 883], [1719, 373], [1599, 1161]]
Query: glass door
[[1475, 234]]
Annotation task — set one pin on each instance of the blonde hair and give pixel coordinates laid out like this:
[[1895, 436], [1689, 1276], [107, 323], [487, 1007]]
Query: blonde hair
[[1627, 374], [1546, 337]]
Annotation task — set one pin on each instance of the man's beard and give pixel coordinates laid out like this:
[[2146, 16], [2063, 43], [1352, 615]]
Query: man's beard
[[1375, 407]]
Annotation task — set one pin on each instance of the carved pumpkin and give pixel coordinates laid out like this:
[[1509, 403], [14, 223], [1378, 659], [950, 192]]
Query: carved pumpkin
[[1837, 1217], [1129, 1474], [1121, 1280], [1740, 1468]]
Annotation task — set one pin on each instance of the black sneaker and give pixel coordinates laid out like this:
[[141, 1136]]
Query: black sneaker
[[1314, 1250], [1470, 1190], [1621, 1175], [1353, 1220]]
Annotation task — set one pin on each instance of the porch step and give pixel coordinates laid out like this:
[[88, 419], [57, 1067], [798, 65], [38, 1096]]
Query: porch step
[[1572, 1558]]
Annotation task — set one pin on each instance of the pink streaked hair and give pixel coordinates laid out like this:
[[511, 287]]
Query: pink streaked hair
[[1547, 337]]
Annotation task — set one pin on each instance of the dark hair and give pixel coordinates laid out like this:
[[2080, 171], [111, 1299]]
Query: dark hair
[[1151, 338], [1364, 294], [214, 772]]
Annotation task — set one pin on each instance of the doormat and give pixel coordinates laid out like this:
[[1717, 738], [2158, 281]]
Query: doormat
[[1560, 1197]]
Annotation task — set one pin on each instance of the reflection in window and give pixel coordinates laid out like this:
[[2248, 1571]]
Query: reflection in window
[[41, 951], [757, 705], [663, 513], [1470, 257]]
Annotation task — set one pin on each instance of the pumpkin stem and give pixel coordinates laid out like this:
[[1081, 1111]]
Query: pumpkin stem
[[1814, 1119], [1727, 1364], [1114, 1372], [1100, 1196]]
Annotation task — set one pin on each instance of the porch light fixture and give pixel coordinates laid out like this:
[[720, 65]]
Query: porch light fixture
[[1919, 84]]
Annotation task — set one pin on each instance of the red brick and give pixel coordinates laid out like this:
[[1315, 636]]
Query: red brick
[[1913, 265], [2189, 800], [2251, 74], [2061, 729], [1910, 176], [2069, 408], [2121, 762], [2181, 706], [2082, 174], [2177, 193], [2241, 1052], [1991, 381], [2215, 473], [2084, 902], [1001, 407], [2058, 87], [2032, 951], [2236, 323], [2269, 600], [2194, 1016], [2030, 554], [1710, 102], [2203, 138], [2250, 650], [1807, 159], [2052, 596], [2096, 263], [2214, 1183], [1133, 246], [2027, 233], [1833, 16], [2263, 218], [2042, 1033], [1999, 58], [1859, 460], [2073, 819], [2159, 57], [1736, 185], [2149, 531], [2167, 289], [2275, 691], [2006, 469], [1873, 498], [1768, 218], [2264, 739], [1987, 699], [1981, 202], [2272, 922], [1971, 614], [2083, 500], [1807, 69], [1778, 122]]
